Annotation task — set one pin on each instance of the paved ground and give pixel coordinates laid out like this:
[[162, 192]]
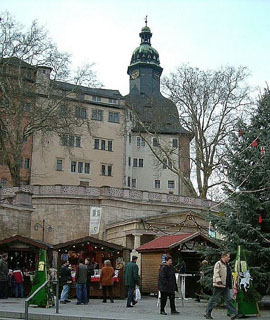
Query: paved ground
[[146, 309]]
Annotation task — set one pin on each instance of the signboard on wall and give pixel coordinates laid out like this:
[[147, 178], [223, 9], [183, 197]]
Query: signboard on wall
[[95, 215]]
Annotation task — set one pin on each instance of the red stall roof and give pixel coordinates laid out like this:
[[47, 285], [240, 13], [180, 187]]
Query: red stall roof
[[170, 241]]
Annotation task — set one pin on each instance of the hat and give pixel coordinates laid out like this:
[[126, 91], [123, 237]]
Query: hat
[[134, 257]]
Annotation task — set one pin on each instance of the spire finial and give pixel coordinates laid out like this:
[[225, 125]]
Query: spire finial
[[145, 20]]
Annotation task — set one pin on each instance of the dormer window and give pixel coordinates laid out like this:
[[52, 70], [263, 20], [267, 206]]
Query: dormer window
[[96, 99]]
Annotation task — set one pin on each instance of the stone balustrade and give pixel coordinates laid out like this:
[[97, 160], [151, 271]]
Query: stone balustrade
[[108, 192]]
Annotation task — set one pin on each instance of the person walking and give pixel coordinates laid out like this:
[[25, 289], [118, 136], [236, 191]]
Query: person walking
[[222, 283], [81, 279], [65, 280], [167, 285], [106, 280], [90, 273], [4, 277], [11, 284], [18, 277], [131, 276]]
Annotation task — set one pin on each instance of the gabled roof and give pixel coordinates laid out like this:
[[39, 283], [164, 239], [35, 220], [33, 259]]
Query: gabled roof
[[109, 93], [167, 242], [32, 242], [92, 241]]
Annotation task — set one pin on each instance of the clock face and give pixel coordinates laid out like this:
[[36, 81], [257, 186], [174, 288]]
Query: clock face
[[135, 74]]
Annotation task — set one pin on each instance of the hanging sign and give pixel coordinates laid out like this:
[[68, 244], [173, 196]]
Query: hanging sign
[[95, 215]]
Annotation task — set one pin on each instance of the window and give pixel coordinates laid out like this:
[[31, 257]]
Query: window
[[106, 170], [112, 101], [27, 107], [140, 163], [103, 170], [135, 162], [103, 144], [26, 163], [128, 182], [97, 115], [73, 166], [110, 145], [140, 142], [95, 98], [175, 143], [114, 117], [78, 141], [109, 171], [63, 111], [71, 141], [3, 183], [80, 167], [157, 184], [80, 112], [155, 142], [129, 161], [59, 165], [96, 145], [133, 183], [165, 163], [171, 184], [87, 168]]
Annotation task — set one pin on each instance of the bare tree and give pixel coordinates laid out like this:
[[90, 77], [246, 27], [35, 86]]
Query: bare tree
[[38, 91], [210, 103]]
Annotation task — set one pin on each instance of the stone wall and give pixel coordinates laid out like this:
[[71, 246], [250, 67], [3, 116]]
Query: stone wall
[[66, 210], [14, 220]]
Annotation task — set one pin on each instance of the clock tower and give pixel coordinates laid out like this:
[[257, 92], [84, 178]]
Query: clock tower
[[144, 69]]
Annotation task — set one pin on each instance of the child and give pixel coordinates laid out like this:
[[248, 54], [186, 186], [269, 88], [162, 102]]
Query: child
[[18, 276]]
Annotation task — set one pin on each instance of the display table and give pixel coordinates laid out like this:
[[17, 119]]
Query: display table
[[96, 289], [181, 282]]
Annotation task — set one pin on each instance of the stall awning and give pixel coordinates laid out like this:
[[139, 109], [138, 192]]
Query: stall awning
[[11, 241], [167, 242], [92, 241]]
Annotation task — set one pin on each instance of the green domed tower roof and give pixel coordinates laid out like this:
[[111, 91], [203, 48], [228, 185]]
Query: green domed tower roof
[[145, 53]]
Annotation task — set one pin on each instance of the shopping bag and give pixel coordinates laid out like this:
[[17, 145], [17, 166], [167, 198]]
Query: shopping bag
[[137, 294]]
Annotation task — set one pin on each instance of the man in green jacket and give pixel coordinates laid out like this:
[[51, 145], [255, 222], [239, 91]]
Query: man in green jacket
[[131, 280]]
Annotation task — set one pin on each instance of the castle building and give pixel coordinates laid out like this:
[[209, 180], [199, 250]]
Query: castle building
[[133, 142], [126, 142]]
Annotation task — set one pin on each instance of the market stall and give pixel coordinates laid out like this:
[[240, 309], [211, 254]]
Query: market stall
[[23, 253], [182, 248], [97, 251]]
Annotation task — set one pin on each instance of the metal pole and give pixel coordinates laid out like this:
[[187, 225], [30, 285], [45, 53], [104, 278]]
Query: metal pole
[[43, 230], [26, 310], [57, 297]]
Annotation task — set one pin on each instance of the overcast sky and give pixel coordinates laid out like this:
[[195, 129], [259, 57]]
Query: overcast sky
[[204, 33]]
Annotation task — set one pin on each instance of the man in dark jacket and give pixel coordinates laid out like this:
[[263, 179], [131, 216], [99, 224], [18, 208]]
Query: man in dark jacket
[[81, 279], [4, 277], [90, 273], [65, 280], [131, 280], [167, 286]]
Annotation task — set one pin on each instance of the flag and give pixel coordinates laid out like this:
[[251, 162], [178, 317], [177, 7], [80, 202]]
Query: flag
[[246, 303]]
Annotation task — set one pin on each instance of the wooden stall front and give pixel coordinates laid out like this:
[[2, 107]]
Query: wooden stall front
[[23, 253], [98, 251], [186, 260]]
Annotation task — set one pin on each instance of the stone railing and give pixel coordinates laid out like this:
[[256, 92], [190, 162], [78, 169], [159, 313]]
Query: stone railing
[[108, 192]]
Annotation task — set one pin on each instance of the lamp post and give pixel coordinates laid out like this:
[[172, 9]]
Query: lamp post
[[38, 225]]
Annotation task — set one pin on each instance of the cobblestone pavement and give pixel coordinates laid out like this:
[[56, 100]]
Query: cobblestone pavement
[[146, 309]]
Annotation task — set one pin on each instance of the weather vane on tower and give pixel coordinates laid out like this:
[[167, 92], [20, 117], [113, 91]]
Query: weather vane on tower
[[146, 20]]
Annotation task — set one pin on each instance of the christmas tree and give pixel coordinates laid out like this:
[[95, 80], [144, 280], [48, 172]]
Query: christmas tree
[[244, 218]]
